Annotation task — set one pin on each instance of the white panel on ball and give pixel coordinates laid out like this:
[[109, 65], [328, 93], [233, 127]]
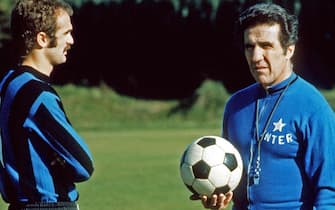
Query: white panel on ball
[[187, 174], [235, 177], [213, 155], [203, 187], [194, 154], [219, 176]]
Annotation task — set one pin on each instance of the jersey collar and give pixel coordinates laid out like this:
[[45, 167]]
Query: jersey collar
[[36, 73]]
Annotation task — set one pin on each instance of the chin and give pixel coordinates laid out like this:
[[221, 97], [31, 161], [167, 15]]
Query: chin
[[62, 60], [262, 81], [58, 63]]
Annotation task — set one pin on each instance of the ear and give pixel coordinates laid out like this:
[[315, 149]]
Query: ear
[[42, 39], [290, 51]]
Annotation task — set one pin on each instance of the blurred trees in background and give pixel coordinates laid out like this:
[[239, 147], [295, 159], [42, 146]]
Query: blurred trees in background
[[167, 48], [5, 6]]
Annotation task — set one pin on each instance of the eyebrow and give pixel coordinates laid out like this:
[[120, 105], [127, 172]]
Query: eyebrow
[[260, 43], [266, 43], [68, 31]]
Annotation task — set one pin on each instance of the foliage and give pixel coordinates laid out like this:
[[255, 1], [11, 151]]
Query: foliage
[[101, 108], [330, 96], [5, 6]]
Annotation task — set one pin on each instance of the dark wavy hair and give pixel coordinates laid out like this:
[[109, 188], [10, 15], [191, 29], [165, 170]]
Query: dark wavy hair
[[269, 13], [29, 17]]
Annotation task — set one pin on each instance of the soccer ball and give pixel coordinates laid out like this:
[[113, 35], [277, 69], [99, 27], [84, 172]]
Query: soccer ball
[[211, 165]]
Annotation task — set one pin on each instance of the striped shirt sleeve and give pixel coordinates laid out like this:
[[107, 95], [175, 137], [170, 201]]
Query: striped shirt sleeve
[[47, 119]]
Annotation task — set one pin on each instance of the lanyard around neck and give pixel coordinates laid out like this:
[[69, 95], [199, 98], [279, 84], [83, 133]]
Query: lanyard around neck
[[260, 138]]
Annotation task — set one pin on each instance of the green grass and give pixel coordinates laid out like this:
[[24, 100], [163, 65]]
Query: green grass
[[138, 170]]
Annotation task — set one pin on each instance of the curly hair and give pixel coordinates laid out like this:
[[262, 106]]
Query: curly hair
[[29, 17], [268, 13]]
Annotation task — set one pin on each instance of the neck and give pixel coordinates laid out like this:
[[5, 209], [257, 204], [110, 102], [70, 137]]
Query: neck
[[37, 62], [285, 75]]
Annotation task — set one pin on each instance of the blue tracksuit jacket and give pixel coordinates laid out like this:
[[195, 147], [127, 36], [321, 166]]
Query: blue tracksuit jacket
[[297, 153]]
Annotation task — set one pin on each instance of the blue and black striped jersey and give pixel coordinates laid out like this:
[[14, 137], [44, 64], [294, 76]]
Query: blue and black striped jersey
[[41, 155]]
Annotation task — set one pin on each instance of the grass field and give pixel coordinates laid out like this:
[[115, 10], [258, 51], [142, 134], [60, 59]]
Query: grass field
[[138, 169]]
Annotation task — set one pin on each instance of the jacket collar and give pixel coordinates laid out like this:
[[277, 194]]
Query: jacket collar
[[277, 88]]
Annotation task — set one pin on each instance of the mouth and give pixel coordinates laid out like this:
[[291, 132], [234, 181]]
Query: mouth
[[66, 50], [260, 68]]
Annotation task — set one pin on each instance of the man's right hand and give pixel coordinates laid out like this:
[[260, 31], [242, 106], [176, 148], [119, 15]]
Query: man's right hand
[[216, 202]]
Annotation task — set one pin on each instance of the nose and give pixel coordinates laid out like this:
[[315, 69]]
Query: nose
[[257, 54], [70, 40]]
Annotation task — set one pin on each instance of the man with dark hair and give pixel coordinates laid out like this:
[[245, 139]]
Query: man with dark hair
[[41, 155], [282, 125]]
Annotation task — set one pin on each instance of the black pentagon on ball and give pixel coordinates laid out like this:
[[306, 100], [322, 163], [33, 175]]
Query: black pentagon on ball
[[206, 142], [201, 170], [230, 161], [223, 190]]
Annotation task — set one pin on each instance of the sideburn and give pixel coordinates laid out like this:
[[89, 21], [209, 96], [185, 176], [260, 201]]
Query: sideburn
[[53, 42]]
